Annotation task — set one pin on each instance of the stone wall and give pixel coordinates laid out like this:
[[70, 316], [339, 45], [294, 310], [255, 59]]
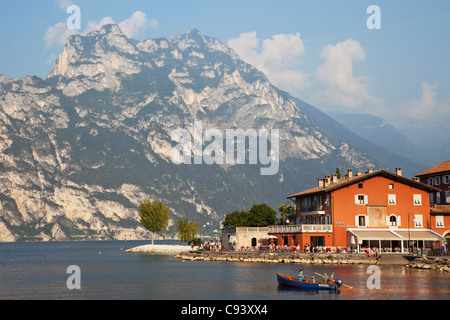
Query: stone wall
[[258, 257], [430, 264]]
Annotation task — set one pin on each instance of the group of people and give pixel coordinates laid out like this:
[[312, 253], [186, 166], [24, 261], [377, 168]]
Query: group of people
[[325, 277], [209, 246]]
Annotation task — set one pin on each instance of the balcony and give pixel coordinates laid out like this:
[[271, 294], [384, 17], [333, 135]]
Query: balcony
[[311, 210], [301, 228]]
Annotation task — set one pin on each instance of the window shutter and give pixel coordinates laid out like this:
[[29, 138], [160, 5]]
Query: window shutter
[[356, 199], [367, 221], [356, 221], [366, 199], [387, 221], [399, 221]]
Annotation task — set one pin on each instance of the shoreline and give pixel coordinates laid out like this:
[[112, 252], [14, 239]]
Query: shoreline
[[161, 248], [281, 257], [185, 252]]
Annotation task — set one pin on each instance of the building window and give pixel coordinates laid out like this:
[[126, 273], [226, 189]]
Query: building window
[[327, 200], [391, 186], [447, 179], [327, 220], [417, 199], [360, 186], [439, 221], [361, 221], [437, 181], [431, 198], [361, 199], [430, 181], [418, 222], [392, 199], [393, 221], [438, 198], [447, 197]]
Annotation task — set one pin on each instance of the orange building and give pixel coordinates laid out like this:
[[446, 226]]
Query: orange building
[[439, 176], [378, 210]]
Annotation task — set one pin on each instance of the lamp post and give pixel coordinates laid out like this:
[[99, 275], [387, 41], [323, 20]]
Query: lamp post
[[409, 234]]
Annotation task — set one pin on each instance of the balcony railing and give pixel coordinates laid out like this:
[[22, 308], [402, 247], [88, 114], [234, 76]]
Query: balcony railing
[[311, 210], [301, 228]]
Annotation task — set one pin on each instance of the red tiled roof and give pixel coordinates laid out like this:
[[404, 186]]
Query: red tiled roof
[[348, 181], [444, 166]]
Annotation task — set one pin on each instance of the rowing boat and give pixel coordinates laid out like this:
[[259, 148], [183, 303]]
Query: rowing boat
[[288, 281]]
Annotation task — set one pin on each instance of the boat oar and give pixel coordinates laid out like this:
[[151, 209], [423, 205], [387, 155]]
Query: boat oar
[[333, 273]]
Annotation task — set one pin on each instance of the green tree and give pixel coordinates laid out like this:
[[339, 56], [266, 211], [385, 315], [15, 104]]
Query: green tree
[[260, 215], [154, 216], [186, 230], [285, 211], [234, 219], [338, 173]]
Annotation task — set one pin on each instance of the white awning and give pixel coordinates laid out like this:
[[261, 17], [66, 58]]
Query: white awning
[[426, 235], [375, 234], [396, 234]]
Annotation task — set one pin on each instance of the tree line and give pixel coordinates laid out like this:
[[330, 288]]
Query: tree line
[[154, 216], [259, 215]]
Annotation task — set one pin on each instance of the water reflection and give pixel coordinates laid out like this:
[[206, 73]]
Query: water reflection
[[38, 271]]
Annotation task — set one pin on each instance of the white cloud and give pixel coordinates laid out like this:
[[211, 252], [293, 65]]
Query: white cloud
[[427, 106], [57, 34], [134, 24], [341, 87], [64, 4], [278, 58], [131, 27], [154, 23], [94, 25]]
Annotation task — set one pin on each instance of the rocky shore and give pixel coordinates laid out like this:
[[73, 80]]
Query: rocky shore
[[430, 264], [186, 253], [157, 248], [301, 258]]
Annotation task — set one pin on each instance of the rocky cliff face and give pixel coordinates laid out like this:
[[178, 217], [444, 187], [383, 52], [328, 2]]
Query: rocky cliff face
[[81, 148]]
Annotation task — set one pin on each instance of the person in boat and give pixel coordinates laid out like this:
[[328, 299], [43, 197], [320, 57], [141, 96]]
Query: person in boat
[[325, 278], [301, 276]]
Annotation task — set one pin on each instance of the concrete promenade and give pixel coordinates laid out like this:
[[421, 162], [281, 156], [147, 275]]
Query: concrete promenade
[[278, 257], [431, 263]]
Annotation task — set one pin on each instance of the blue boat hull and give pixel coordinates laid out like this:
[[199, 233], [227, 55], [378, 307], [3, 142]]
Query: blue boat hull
[[288, 281]]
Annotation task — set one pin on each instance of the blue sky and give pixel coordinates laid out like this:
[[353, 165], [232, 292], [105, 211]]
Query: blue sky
[[319, 51]]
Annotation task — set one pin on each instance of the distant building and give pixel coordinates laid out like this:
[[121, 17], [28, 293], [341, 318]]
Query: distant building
[[243, 238], [376, 209], [439, 176]]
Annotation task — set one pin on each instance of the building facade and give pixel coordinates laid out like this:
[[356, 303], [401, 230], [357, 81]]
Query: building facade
[[243, 238], [373, 210], [439, 177]]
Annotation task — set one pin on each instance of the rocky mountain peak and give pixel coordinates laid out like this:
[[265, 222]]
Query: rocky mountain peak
[[81, 148], [93, 61]]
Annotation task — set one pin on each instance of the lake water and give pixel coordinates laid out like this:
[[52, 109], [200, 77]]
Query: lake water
[[34, 271]]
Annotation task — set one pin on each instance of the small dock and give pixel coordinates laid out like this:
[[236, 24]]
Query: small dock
[[392, 260]]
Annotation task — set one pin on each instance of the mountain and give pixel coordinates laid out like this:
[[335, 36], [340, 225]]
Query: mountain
[[431, 136], [83, 146], [381, 133]]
